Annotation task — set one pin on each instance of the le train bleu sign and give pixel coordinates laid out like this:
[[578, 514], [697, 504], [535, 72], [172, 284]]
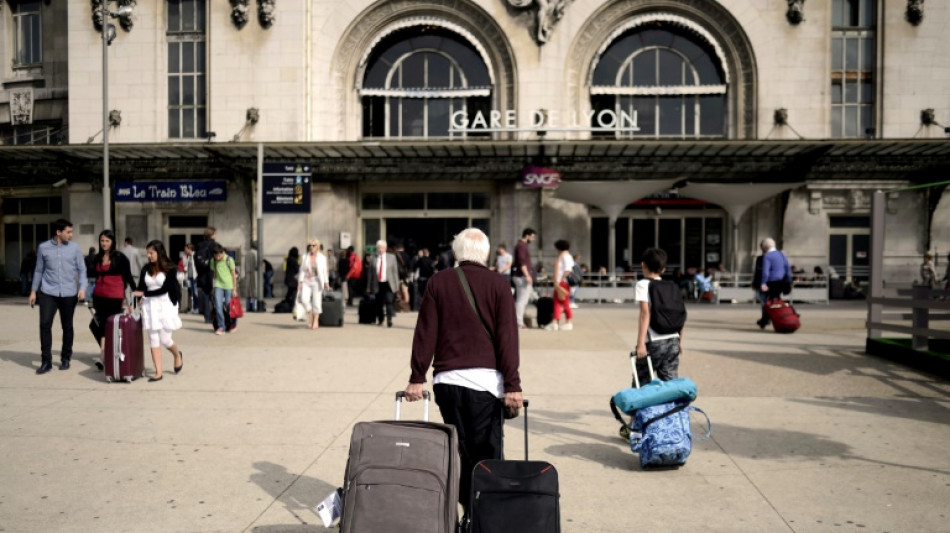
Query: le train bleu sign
[[171, 191]]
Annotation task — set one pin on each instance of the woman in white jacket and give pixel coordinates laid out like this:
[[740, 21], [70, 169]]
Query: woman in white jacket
[[313, 280]]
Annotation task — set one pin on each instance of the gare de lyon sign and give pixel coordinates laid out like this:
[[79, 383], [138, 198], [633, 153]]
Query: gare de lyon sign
[[542, 122]]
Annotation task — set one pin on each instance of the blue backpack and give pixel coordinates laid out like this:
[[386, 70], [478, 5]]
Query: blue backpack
[[661, 434]]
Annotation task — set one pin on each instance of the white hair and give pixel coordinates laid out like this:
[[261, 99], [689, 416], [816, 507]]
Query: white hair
[[381, 243], [471, 244], [767, 244]]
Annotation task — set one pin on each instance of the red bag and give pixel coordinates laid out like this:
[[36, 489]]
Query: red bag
[[783, 316], [235, 310]]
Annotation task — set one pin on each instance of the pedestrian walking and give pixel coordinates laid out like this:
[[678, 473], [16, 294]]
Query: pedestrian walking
[[27, 266], [522, 274], [472, 345], [776, 276], [134, 256], [160, 292], [191, 277], [928, 272], [313, 280], [90, 260], [204, 254], [503, 261], [59, 267], [354, 271], [664, 347], [384, 282], [563, 266], [113, 275], [225, 287]]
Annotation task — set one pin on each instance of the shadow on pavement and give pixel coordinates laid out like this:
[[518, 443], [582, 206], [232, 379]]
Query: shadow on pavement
[[923, 409], [32, 362], [759, 443], [298, 494], [618, 456]]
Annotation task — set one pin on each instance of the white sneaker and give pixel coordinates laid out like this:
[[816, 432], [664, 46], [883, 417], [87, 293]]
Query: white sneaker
[[574, 305], [551, 327], [567, 327]]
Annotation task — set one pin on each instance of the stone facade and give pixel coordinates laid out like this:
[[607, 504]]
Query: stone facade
[[301, 74]]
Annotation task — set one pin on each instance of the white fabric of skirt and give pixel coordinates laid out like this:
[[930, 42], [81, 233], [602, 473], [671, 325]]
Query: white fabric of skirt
[[158, 312]]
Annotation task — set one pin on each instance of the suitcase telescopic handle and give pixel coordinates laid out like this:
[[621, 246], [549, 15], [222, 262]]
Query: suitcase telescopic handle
[[525, 404], [633, 365], [401, 395]]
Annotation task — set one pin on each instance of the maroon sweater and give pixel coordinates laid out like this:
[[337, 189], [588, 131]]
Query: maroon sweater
[[449, 336]]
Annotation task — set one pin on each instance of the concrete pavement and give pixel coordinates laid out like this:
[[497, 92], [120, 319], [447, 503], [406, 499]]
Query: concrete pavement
[[809, 434]]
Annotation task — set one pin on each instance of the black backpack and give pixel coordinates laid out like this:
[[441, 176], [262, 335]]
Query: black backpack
[[667, 310]]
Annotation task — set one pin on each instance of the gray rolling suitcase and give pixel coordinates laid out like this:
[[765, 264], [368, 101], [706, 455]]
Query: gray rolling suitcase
[[401, 477], [332, 315]]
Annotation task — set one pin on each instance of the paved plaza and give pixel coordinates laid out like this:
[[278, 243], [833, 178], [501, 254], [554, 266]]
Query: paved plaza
[[808, 435]]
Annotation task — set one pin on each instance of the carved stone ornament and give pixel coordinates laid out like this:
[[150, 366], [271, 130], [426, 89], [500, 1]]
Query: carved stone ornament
[[548, 13], [266, 13], [915, 11], [814, 202], [21, 106], [796, 12], [239, 15]]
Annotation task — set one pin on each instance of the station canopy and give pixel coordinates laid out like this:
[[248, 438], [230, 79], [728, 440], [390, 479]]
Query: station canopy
[[712, 161]]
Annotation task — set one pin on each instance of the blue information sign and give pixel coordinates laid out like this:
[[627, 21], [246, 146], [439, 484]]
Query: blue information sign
[[171, 191], [286, 187]]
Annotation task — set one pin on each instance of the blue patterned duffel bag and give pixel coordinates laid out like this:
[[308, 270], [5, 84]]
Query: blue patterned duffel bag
[[661, 434]]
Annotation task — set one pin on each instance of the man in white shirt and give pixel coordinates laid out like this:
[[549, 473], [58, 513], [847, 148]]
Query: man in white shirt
[[384, 282], [134, 255]]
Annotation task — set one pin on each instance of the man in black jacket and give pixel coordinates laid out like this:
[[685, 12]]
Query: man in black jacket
[[205, 281]]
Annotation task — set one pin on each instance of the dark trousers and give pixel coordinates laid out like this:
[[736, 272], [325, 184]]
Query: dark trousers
[[105, 308], [48, 307], [477, 418], [352, 288], [205, 304], [384, 302], [775, 291]]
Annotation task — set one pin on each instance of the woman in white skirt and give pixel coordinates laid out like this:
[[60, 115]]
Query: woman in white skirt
[[160, 291], [313, 279]]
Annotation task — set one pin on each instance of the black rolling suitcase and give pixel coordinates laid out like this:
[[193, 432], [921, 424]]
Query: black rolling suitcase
[[401, 477], [545, 311], [515, 496], [332, 315], [367, 310]]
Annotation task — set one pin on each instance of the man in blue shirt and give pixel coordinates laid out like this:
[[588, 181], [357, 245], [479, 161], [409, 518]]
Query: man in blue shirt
[[776, 276], [59, 267]]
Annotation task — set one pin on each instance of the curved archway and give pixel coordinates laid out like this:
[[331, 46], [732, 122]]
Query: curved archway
[[706, 19], [468, 21]]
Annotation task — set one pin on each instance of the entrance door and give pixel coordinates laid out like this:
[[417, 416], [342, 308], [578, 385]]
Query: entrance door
[[849, 248], [180, 230], [416, 233]]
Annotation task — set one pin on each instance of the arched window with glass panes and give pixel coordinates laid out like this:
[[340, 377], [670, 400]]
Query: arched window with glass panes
[[415, 80], [668, 76]]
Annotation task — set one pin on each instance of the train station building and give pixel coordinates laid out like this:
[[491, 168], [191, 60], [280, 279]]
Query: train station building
[[700, 126]]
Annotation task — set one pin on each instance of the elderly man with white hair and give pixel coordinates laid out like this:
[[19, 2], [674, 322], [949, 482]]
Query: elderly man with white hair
[[469, 335], [776, 276], [383, 281]]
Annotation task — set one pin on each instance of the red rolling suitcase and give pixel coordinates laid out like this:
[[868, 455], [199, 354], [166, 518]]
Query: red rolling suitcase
[[783, 316], [125, 353]]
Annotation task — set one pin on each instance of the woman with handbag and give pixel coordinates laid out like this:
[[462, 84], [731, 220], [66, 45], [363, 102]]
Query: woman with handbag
[[313, 279], [113, 274], [159, 289], [562, 290]]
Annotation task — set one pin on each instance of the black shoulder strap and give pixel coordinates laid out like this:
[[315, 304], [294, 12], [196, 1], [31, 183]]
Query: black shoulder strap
[[471, 300]]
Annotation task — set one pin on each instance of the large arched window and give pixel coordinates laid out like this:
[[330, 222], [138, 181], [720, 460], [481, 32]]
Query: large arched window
[[667, 75], [416, 78]]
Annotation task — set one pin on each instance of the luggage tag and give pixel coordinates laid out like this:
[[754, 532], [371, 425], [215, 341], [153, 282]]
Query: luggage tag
[[331, 508]]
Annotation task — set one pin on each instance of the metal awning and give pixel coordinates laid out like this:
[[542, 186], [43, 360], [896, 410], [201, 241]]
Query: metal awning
[[720, 161]]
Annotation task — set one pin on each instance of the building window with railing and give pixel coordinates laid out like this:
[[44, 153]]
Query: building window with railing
[[187, 94], [27, 34], [853, 59], [665, 77], [417, 79], [36, 133]]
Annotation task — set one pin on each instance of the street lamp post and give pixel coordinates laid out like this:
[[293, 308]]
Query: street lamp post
[[106, 41]]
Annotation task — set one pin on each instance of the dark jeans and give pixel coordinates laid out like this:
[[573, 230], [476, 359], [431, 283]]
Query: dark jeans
[[477, 418], [105, 308], [268, 284], [352, 286], [48, 307], [384, 302], [205, 304], [665, 355]]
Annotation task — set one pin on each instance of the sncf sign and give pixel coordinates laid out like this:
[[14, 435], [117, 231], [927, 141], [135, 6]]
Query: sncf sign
[[538, 177]]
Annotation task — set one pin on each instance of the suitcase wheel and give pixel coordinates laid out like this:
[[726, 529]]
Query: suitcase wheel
[[625, 433], [128, 379], [108, 379]]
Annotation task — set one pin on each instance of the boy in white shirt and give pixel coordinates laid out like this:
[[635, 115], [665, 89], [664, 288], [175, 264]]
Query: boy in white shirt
[[666, 345]]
